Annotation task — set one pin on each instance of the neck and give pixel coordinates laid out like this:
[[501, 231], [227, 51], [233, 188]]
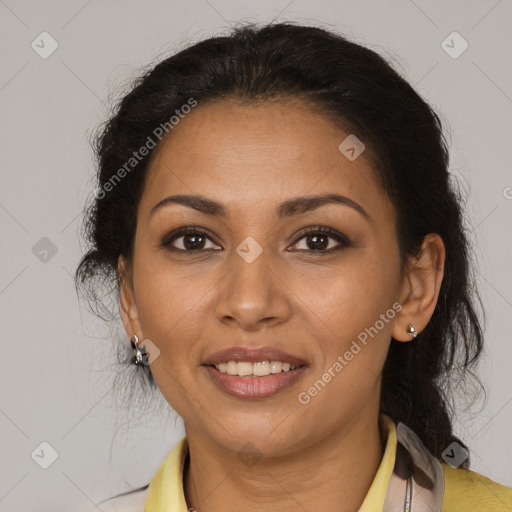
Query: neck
[[215, 477]]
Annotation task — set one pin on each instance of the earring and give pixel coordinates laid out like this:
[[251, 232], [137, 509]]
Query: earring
[[412, 331], [139, 353]]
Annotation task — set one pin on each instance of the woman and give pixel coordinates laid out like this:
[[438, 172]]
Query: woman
[[292, 271]]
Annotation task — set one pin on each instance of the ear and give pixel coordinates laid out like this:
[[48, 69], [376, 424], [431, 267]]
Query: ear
[[127, 304], [420, 288]]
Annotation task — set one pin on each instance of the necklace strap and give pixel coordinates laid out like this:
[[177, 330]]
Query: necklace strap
[[417, 481]]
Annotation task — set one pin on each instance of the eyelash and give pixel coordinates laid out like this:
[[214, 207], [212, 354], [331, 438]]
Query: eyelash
[[338, 237]]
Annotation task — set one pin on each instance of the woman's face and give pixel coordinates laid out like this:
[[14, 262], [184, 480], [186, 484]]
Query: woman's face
[[251, 278]]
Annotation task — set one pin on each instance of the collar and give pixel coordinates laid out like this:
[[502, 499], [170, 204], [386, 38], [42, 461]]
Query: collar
[[166, 493]]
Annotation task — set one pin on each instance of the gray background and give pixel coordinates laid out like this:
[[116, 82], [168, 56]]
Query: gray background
[[58, 362]]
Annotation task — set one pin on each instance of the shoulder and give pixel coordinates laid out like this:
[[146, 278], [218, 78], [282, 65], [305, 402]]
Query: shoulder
[[131, 501], [467, 491]]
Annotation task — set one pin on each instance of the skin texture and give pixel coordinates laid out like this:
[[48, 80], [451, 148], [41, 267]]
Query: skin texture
[[292, 297]]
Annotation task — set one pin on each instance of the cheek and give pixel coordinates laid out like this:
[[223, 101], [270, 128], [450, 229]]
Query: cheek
[[350, 295], [353, 349], [166, 293], [349, 313], [168, 313]]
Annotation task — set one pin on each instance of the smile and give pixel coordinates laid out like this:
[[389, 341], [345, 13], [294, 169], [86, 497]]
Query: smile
[[262, 384]]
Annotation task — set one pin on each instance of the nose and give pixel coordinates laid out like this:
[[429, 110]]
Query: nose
[[252, 294]]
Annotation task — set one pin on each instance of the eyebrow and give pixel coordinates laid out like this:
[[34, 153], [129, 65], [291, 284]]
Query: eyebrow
[[290, 207]]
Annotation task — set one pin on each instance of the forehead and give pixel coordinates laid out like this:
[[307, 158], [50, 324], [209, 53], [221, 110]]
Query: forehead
[[255, 155]]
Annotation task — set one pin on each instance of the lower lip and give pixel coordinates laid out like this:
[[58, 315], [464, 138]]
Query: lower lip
[[254, 387]]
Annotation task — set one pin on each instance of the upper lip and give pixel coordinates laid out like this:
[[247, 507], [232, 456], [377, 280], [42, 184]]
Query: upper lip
[[239, 353]]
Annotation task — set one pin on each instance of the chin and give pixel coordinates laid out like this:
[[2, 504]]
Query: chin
[[253, 437]]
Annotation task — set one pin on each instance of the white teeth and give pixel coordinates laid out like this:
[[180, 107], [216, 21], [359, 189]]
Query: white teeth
[[244, 368], [275, 366], [258, 369], [231, 368]]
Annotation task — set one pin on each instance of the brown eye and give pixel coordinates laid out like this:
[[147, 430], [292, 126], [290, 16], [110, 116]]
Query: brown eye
[[187, 240], [320, 240]]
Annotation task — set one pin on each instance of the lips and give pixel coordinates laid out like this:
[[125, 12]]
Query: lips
[[254, 387], [238, 353]]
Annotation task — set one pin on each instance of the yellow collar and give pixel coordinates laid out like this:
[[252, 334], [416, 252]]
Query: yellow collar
[[166, 494]]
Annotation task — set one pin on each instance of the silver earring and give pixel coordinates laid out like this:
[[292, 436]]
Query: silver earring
[[412, 331], [139, 352]]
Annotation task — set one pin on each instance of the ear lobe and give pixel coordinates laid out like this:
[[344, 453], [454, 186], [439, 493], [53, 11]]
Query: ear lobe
[[127, 305], [421, 287]]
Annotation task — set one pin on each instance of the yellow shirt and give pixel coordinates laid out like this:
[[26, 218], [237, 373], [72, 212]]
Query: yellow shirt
[[465, 490]]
